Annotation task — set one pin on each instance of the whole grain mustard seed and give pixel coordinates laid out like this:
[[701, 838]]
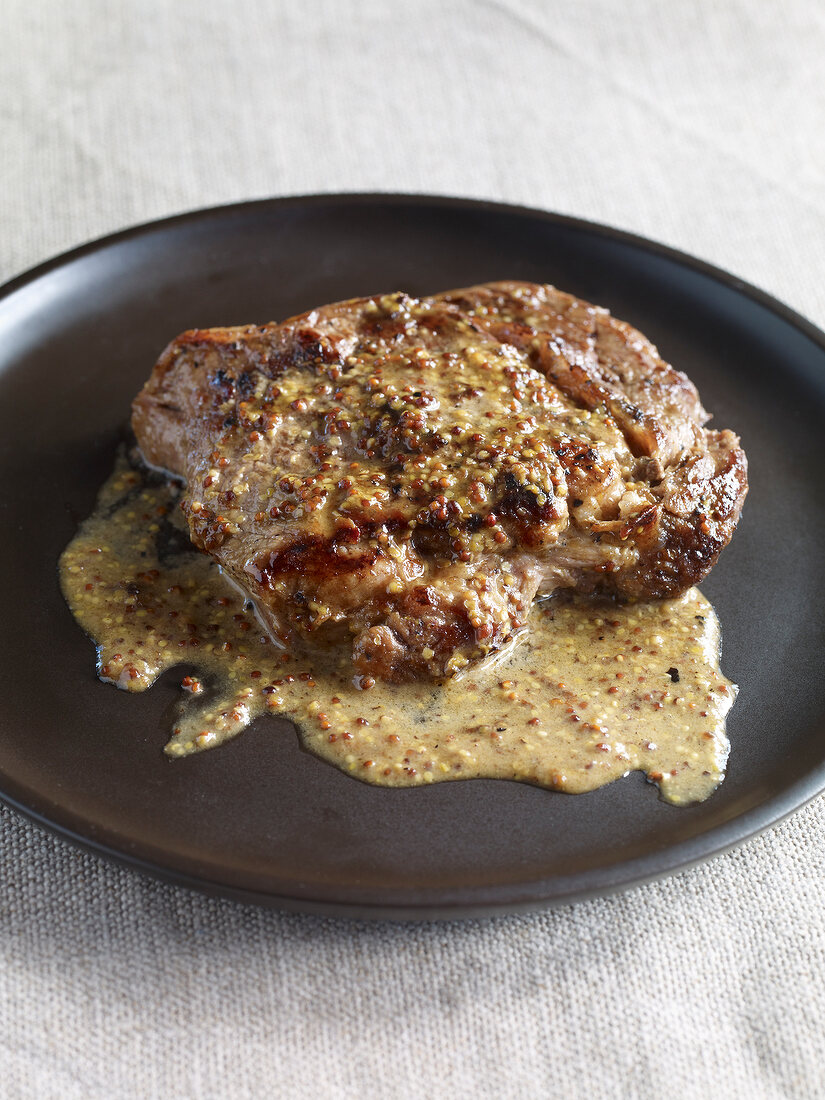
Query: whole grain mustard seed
[[529, 714]]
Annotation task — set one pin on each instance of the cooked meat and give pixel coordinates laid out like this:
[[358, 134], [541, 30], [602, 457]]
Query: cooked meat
[[405, 475]]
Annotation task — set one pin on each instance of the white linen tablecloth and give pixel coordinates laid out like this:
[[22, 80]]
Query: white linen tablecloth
[[700, 124]]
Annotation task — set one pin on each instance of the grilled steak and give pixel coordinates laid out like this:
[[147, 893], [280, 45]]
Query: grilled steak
[[405, 475]]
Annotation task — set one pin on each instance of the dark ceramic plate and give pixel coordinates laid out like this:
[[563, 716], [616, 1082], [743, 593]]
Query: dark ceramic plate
[[260, 820]]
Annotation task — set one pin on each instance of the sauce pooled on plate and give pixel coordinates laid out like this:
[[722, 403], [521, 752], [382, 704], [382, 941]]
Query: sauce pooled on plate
[[586, 693]]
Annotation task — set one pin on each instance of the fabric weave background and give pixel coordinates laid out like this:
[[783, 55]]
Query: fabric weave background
[[700, 124]]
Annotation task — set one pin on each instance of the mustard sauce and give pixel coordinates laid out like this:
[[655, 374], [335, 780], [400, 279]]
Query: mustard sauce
[[585, 693]]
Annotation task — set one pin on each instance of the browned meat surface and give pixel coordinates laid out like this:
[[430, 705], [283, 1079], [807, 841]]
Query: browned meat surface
[[405, 475]]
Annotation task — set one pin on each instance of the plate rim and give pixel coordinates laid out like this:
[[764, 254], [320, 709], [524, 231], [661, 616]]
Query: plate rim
[[538, 894]]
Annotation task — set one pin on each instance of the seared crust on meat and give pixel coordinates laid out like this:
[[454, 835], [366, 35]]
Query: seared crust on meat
[[405, 475]]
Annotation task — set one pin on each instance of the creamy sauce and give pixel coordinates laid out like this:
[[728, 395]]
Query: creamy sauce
[[586, 693]]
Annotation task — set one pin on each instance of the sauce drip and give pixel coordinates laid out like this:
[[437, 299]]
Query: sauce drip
[[586, 693]]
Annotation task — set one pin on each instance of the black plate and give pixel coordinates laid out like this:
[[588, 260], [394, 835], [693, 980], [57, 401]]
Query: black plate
[[261, 820]]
